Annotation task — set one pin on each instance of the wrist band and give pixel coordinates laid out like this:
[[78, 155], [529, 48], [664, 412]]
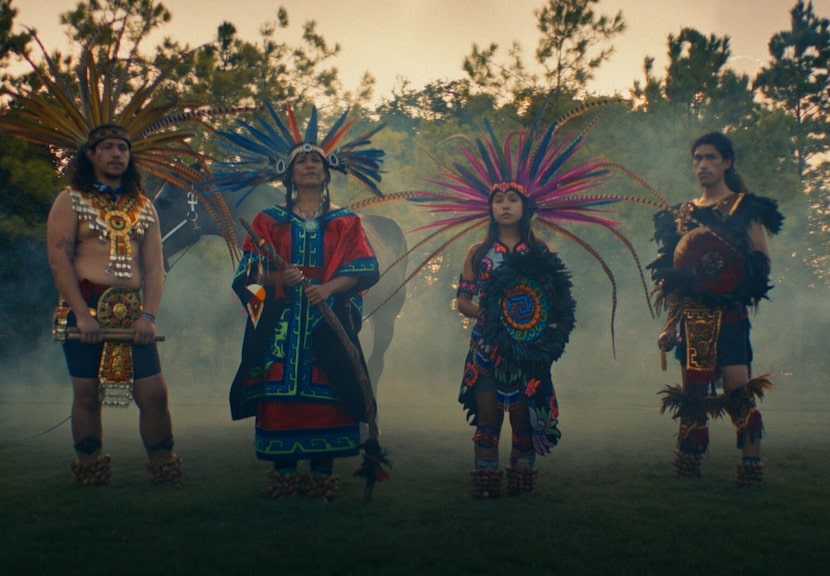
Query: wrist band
[[149, 317]]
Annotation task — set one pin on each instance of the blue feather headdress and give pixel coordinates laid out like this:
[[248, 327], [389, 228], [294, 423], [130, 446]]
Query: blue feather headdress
[[263, 151]]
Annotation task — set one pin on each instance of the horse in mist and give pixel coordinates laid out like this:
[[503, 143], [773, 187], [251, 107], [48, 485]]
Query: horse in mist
[[183, 219]]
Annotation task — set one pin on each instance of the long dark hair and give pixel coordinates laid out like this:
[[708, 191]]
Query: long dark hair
[[526, 233], [725, 148], [82, 174]]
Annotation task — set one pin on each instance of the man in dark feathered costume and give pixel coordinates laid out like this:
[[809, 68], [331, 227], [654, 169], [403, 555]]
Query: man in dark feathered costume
[[713, 264]]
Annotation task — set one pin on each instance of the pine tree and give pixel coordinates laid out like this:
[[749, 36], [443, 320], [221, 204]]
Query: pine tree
[[797, 80]]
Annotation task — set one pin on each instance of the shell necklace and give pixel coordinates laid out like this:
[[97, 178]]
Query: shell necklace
[[117, 221], [310, 223]]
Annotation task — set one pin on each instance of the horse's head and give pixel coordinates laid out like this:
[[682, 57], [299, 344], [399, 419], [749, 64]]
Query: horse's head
[[184, 217], [181, 220]]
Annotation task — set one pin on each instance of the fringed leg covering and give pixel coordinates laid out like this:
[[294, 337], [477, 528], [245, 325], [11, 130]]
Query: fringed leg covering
[[486, 437], [165, 472], [98, 472], [281, 485], [687, 464], [323, 486], [521, 475], [521, 479], [692, 443], [486, 483], [486, 476], [750, 472], [693, 435], [742, 409]]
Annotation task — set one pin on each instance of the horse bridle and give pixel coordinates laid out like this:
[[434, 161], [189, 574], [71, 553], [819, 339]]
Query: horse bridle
[[190, 216]]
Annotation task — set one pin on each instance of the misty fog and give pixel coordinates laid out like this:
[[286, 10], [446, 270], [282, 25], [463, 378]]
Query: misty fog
[[604, 399]]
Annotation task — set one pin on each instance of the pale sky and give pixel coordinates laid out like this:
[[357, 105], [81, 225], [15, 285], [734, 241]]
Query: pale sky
[[425, 40]]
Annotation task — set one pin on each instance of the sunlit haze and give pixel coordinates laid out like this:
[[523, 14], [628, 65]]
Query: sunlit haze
[[426, 40]]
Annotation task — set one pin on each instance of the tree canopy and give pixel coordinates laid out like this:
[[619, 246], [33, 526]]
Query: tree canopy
[[778, 119]]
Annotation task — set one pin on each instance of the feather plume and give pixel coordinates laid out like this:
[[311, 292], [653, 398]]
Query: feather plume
[[62, 114], [257, 154], [542, 162], [446, 244]]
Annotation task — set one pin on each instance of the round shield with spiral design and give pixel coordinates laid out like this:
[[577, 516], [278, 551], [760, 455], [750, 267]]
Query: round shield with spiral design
[[527, 306], [524, 309]]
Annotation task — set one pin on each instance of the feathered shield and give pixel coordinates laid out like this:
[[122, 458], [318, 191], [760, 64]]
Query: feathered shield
[[528, 306], [718, 265]]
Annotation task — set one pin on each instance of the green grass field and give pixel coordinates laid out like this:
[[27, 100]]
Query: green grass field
[[606, 501]]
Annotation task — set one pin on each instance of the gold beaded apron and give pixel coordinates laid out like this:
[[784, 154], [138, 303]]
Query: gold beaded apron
[[117, 308], [702, 325]]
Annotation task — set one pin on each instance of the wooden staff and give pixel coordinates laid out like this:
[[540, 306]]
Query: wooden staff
[[333, 322], [111, 334], [374, 456]]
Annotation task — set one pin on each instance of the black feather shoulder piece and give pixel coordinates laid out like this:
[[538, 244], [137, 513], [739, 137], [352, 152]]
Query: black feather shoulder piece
[[765, 211]]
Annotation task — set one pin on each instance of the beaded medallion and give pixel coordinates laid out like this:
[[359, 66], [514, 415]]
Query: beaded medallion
[[117, 221]]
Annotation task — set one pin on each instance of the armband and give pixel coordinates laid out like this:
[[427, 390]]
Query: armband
[[470, 287], [149, 317], [756, 278]]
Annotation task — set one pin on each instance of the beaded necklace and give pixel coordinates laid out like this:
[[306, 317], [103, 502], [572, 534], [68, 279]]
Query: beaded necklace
[[310, 223], [118, 218]]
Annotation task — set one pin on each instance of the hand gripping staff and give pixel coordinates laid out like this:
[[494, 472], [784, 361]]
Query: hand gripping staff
[[374, 457]]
